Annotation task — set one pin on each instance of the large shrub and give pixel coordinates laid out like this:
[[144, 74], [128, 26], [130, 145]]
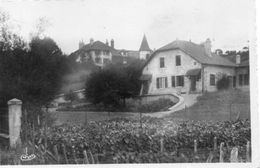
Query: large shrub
[[223, 83], [113, 84]]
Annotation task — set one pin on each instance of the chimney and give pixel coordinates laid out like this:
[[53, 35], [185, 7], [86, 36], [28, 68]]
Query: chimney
[[238, 59], [81, 44], [107, 42], [91, 41], [207, 46], [112, 43]]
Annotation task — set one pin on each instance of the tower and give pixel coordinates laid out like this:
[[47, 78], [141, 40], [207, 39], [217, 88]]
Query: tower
[[144, 51]]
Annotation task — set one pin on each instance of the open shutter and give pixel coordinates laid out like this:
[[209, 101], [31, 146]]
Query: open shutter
[[173, 81], [166, 82]]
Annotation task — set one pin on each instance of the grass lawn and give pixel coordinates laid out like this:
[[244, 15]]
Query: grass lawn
[[218, 106]]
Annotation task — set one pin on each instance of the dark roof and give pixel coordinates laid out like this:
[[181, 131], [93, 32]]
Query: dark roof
[[193, 72], [243, 58], [130, 53], [98, 45], [196, 51], [144, 45], [146, 77], [244, 63], [134, 54]]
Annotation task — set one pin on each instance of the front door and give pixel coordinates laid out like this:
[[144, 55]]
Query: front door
[[192, 83], [234, 81], [145, 87]]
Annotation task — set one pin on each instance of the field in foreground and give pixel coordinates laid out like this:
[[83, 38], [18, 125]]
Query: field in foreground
[[151, 141], [218, 106]]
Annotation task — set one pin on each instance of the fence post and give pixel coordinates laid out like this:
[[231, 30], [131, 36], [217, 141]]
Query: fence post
[[65, 153], [215, 144], [234, 155], [86, 161], [161, 145], [55, 149], [195, 146], [14, 117], [248, 159], [221, 152]]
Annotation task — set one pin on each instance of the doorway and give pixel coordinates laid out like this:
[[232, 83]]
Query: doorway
[[193, 83], [145, 87]]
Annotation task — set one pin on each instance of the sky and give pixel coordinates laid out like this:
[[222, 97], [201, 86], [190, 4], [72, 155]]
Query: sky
[[228, 23]]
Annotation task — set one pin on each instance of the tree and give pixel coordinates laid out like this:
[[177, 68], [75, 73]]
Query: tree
[[223, 83], [218, 52], [113, 84], [71, 96], [32, 75]]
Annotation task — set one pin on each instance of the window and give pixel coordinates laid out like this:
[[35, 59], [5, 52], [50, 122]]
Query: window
[[162, 62], [161, 82], [173, 81], [246, 79], [180, 80], [97, 52], [240, 80], [98, 60], [106, 61], [178, 60], [147, 56], [105, 52], [212, 80]]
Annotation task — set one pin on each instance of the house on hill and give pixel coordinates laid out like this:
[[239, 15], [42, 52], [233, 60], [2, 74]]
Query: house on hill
[[98, 52], [186, 67]]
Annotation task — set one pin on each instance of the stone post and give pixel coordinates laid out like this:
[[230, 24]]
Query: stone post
[[14, 114]]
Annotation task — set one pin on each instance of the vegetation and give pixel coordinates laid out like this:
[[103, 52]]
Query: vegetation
[[113, 84], [124, 141], [223, 83], [131, 106], [30, 71], [161, 104]]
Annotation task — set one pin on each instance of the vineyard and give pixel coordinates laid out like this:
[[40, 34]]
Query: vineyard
[[151, 141]]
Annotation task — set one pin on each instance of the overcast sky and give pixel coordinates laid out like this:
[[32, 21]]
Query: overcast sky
[[226, 22]]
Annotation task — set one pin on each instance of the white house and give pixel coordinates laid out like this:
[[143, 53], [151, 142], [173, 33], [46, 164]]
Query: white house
[[185, 67], [98, 52]]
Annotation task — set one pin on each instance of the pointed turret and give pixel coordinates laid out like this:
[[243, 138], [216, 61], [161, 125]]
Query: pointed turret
[[144, 45]]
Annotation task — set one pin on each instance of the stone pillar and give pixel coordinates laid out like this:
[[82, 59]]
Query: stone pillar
[[14, 114]]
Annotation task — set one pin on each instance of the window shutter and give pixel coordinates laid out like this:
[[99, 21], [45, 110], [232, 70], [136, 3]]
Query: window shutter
[[157, 83], [166, 82], [173, 81]]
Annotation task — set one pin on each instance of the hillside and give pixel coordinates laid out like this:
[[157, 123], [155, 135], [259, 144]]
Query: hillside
[[218, 106]]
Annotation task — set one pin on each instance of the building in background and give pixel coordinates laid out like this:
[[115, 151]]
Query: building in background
[[97, 52], [144, 51]]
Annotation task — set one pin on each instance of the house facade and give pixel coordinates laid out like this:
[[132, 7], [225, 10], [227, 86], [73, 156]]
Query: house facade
[[186, 67]]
